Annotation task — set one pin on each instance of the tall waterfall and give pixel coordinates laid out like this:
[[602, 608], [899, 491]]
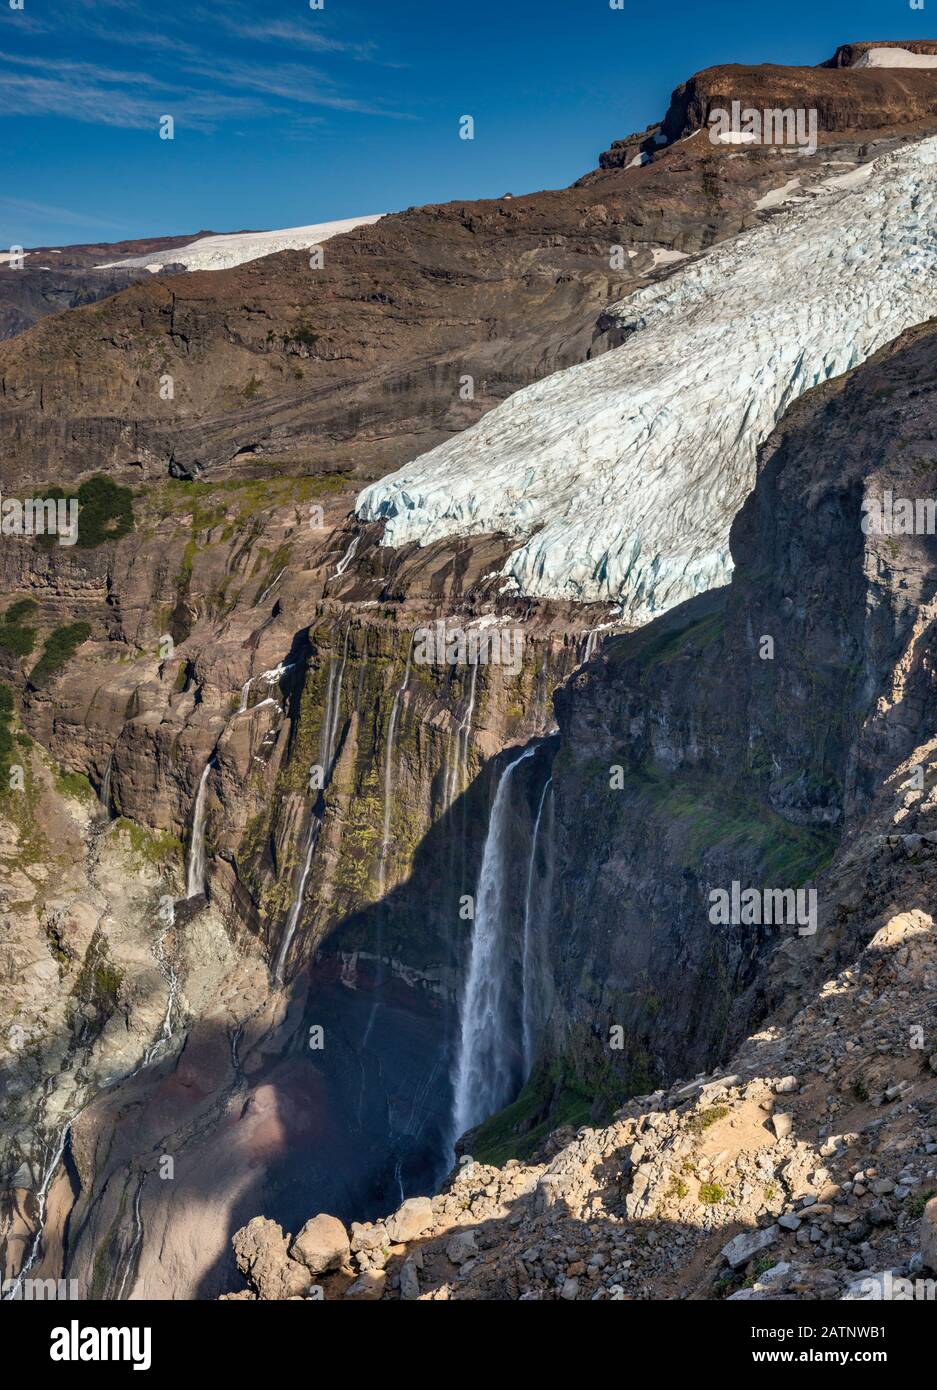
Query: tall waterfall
[[196, 876], [389, 767], [535, 966], [485, 1076], [327, 749]]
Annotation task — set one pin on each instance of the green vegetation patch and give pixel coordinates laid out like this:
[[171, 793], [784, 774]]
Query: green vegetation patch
[[156, 848], [709, 817], [16, 635], [7, 707], [105, 511], [707, 1118], [710, 1193], [74, 784], [60, 646], [548, 1101]]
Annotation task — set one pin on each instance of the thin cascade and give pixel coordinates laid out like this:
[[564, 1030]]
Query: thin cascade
[[196, 878], [485, 1077], [106, 784], [271, 677], [533, 958], [389, 767], [347, 558], [327, 748], [168, 970], [55, 1157], [462, 741]]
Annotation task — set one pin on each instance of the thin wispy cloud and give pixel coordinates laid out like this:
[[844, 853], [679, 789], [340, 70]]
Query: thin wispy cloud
[[296, 35], [202, 85], [47, 212]]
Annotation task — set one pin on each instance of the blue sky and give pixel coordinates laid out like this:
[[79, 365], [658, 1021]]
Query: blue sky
[[285, 115]]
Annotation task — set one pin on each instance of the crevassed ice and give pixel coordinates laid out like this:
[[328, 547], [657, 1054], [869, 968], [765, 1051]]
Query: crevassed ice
[[622, 475]]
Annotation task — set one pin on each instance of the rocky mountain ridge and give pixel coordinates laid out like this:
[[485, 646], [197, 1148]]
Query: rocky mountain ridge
[[188, 1036]]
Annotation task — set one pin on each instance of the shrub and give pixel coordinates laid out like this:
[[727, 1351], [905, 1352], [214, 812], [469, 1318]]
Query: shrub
[[710, 1193], [701, 1122]]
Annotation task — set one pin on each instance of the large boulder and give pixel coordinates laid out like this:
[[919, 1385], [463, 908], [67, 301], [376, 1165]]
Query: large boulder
[[410, 1220], [322, 1244], [747, 1244], [461, 1247], [260, 1249]]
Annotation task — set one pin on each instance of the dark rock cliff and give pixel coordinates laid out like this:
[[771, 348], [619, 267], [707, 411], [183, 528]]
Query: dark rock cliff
[[755, 730]]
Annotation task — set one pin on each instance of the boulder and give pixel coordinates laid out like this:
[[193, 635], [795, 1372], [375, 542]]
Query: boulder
[[783, 1123], [409, 1281], [322, 1244], [368, 1236], [748, 1243], [461, 1247], [260, 1249], [369, 1288], [410, 1219]]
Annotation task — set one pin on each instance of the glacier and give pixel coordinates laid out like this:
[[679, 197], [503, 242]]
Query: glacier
[[620, 477]]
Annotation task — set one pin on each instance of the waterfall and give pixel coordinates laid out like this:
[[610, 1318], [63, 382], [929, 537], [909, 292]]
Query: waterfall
[[51, 1168], [106, 784], [462, 740], [196, 883], [271, 677], [389, 767], [534, 963], [347, 558], [327, 739], [485, 1077], [272, 585], [168, 970], [333, 710]]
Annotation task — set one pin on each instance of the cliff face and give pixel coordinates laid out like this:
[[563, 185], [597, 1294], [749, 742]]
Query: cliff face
[[55, 279], [201, 1022], [844, 98], [752, 727], [808, 759]]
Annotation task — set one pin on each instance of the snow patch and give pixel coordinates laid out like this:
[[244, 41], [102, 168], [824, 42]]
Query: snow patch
[[896, 58], [620, 477], [777, 196], [733, 137], [236, 248]]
